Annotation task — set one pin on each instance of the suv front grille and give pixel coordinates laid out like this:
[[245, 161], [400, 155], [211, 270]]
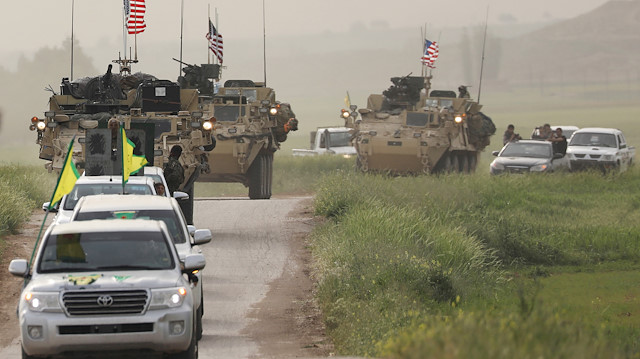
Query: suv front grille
[[105, 302]]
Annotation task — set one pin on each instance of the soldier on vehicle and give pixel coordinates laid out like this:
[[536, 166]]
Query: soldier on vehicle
[[544, 133], [510, 135], [559, 144], [173, 171]]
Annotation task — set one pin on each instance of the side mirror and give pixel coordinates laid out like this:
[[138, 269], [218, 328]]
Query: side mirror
[[19, 267], [180, 195], [495, 153], [202, 236], [194, 262], [52, 210], [191, 228]]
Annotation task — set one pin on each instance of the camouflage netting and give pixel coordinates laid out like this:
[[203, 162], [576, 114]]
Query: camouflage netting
[[481, 128]]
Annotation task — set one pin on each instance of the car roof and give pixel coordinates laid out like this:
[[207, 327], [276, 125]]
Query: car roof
[[152, 170], [574, 128], [118, 202], [114, 179], [599, 130], [546, 143], [334, 129], [115, 225]]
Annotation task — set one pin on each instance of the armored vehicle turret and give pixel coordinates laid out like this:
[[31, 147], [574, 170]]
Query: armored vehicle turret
[[411, 129], [156, 114]]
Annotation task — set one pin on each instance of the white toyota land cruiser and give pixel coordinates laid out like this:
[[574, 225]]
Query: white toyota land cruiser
[[104, 286]]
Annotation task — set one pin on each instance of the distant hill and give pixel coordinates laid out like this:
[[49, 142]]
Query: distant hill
[[600, 46]]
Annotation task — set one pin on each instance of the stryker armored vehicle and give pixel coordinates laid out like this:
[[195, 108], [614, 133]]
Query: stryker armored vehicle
[[249, 125], [157, 114], [411, 129]]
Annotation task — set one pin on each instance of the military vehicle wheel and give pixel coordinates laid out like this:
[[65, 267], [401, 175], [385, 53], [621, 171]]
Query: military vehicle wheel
[[260, 176], [455, 164], [464, 162], [473, 162]]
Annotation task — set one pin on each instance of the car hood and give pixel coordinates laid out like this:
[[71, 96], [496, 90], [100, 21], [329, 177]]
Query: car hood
[[138, 279], [521, 161], [592, 150], [343, 150]]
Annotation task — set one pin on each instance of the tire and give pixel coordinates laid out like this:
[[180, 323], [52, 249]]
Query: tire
[[464, 162], [260, 176], [473, 162], [455, 165], [199, 328], [27, 356]]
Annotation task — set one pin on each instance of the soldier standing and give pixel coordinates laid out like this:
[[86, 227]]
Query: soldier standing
[[173, 171]]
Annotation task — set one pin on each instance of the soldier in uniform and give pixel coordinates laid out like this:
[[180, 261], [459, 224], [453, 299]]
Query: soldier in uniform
[[173, 171]]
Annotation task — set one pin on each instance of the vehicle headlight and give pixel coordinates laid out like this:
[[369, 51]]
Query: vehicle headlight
[[497, 166], [345, 114], [458, 119], [167, 297], [207, 125], [273, 111], [41, 125], [607, 157], [539, 168], [42, 302]]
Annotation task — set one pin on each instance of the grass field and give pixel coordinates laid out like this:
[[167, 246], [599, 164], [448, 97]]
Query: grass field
[[483, 267]]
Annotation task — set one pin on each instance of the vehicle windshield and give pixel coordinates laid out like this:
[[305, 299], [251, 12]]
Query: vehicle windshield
[[593, 139], [104, 251], [88, 189], [535, 150], [170, 218], [339, 139], [229, 113]]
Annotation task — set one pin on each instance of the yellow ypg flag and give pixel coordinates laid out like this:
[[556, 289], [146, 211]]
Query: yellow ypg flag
[[347, 100], [67, 179], [131, 163]]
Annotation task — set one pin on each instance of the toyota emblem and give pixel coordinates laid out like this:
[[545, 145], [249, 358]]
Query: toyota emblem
[[105, 301]]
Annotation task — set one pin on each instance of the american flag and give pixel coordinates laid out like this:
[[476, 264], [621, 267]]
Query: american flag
[[215, 41], [134, 11], [430, 53]]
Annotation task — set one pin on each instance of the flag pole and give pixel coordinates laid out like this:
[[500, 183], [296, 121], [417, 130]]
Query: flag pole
[[484, 42], [121, 142], [264, 44], [55, 189], [208, 18]]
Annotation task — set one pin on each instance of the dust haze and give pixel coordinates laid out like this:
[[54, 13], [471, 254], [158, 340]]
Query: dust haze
[[318, 50]]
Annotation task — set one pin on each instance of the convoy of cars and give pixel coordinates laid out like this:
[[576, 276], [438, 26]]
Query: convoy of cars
[[604, 149], [114, 271]]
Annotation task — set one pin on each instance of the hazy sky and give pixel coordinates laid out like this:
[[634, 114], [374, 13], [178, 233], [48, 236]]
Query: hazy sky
[[48, 22]]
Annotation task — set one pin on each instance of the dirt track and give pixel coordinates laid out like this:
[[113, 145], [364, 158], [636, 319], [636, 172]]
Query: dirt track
[[258, 293]]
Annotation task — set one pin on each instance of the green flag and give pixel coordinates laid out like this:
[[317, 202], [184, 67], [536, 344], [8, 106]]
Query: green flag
[[67, 178], [131, 163]]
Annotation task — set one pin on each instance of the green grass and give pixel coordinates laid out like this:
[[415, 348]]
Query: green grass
[[22, 189], [480, 266]]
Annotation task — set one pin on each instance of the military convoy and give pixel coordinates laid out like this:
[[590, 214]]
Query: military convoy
[[157, 114], [411, 129]]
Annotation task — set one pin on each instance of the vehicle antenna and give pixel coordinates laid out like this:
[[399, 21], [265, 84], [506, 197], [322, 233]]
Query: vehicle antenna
[[73, 3], [264, 44], [484, 42], [181, 32]]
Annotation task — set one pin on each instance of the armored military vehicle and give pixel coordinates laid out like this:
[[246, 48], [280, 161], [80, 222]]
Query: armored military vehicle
[[249, 125], [157, 114], [411, 129]]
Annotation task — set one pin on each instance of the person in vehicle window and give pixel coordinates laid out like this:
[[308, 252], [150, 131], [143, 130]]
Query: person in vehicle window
[[544, 133], [559, 142], [510, 135], [159, 189]]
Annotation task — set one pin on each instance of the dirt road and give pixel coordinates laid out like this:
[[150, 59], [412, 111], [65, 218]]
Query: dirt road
[[258, 293]]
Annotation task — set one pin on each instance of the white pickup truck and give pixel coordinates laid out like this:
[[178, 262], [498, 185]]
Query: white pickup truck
[[603, 148], [329, 140]]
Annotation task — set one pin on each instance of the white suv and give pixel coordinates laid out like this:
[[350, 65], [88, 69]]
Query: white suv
[[90, 185], [157, 208], [101, 286]]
